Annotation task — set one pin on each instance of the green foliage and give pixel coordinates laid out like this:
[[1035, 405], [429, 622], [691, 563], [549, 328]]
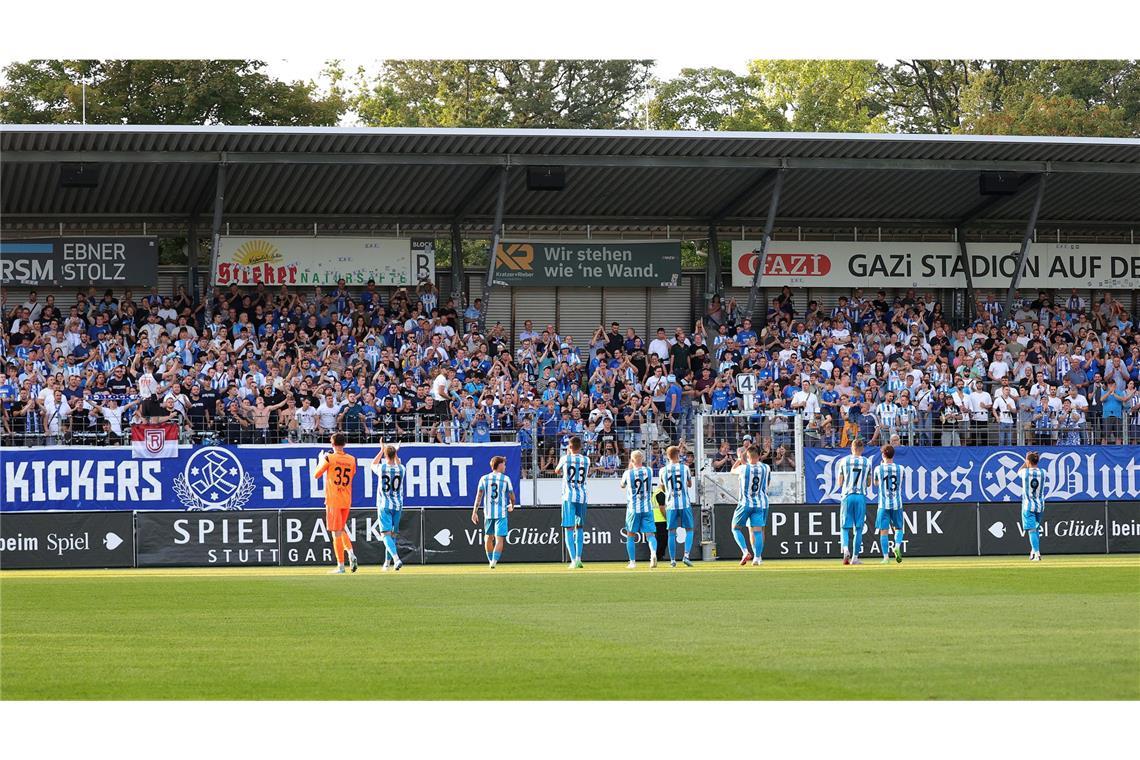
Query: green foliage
[[474, 253], [918, 96], [565, 94], [1077, 98], [713, 99], [160, 92], [821, 96]]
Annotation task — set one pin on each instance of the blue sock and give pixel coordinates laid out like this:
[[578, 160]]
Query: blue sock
[[758, 543], [741, 541], [856, 541], [495, 556], [630, 547], [571, 544], [580, 534], [885, 543], [688, 541], [899, 539], [1034, 540], [672, 546], [652, 539], [390, 547], [843, 541]]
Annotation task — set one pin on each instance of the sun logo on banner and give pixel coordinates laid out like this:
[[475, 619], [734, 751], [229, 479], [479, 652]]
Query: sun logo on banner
[[518, 257], [256, 252], [213, 480]]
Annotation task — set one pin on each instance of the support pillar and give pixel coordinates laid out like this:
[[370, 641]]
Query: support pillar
[[496, 235], [712, 265], [964, 257], [216, 241], [769, 223], [1025, 240], [192, 252], [457, 267]]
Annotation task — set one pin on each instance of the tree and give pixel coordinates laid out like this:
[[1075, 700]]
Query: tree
[[924, 96], [566, 94], [822, 96], [805, 96], [161, 92], [1077, 98], [713, 99]]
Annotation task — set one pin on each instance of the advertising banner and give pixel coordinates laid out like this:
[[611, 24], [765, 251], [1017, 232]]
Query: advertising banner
[[1069, 528], [79, 261], [533, 535], [305, 537], [1123, 527], [221, 478], [989, 473], [208, 539], [322, 261], [871, 265], [67, 539], [616, 263], [812, 531]]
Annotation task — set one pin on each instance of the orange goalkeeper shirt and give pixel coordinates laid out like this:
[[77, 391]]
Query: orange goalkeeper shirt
[[338, 470]]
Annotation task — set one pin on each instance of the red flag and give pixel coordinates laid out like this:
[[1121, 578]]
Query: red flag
[[154, 441]]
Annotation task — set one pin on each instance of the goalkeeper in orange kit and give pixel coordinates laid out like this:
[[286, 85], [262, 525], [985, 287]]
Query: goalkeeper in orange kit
[[338, 468]]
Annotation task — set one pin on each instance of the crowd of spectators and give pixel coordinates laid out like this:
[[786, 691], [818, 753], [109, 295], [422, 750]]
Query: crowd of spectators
[[276, 365]]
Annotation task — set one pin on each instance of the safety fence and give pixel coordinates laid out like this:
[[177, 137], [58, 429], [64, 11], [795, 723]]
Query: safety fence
[[298, 537]]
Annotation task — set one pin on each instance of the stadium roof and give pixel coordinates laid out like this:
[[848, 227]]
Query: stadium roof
[[428, 178]]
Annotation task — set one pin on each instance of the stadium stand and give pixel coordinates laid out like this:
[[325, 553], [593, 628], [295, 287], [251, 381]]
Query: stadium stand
[[293, 366]]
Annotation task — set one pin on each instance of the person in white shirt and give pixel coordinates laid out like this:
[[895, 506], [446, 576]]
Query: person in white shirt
[[306, 416], [327, 412], [1053, 401], [999, 368], [660, 345], [806, 402], [1005, 413], [979, 403], [439, 385], [57, 413]]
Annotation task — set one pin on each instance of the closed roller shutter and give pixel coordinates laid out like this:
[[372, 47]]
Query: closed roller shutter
[[627, 307], [579, 313], [536, 304], [500, 304], [670, 308], [168, 279]]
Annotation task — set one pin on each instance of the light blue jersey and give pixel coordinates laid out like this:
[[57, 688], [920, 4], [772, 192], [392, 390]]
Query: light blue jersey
[[1032, 489], [890, 478], [754, 485], [638, 482], [495, 487], [675, 480], [390, 488], [856, 472], [574, 468]]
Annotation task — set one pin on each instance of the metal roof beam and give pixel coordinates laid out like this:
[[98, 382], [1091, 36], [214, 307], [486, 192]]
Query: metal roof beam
[[733, 205], [490, 175], [600, 161], [514, 219], [992, 202]]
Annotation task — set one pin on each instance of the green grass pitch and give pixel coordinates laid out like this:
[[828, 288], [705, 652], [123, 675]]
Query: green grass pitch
[[1068, 628]]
